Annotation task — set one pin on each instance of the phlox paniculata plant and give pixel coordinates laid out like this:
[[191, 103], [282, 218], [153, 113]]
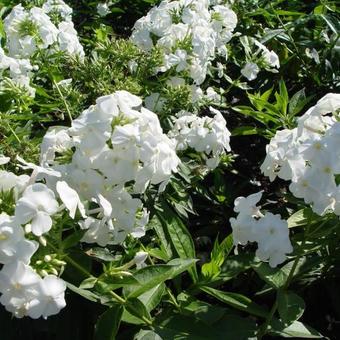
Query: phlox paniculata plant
[[115, 149]]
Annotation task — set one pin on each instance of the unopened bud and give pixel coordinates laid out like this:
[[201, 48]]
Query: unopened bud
[[28, 228], [43, 241]]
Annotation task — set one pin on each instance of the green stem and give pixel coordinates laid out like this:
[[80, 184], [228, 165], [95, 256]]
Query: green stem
[[13, 132], [264, 327], [63, 99]]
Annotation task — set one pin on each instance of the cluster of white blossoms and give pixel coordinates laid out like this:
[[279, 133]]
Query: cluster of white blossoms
[[258, 57], [191, 33], [309, 156], [27, 31], [269, 231], [19, 71], [23, 291], [118, 149], [207, 135], [91, 172]]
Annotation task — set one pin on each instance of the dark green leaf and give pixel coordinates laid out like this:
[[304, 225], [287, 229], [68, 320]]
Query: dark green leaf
[[108, 324], [275, 277], [237, 301]]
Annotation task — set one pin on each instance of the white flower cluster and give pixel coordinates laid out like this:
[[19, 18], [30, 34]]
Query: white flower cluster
[[30, 30], [19, 71], [24, 292], [109, 155], [269, 231], [190, 32], [208, 135], [118, 149], [309, 156], [258, 57]]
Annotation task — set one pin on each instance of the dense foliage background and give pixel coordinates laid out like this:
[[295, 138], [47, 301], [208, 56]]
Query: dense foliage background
[[305, 36]]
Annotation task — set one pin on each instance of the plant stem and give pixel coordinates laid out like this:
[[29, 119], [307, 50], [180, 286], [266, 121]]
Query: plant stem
[[63, 99], [264, 327]]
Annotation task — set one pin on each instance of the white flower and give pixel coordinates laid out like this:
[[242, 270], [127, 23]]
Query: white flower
[[70, 198], [9, 180], [28, 30], [18, 286], [50, 298], [13, 245], [140, 259], [36, 206], [204, 134], [97, 231], [4, 160], [58, 7], [308, 156], [55, 140], [272, 236], [247, 205], [190, 33], [250, 71], [243, 229], [68, 40]]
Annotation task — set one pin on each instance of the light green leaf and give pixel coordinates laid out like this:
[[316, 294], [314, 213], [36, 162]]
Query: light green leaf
[[147, 335], [290, 306], [296, 330], [152, 297], [82, 292]]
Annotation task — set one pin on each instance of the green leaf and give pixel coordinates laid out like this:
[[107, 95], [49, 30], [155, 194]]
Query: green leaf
[[136, 308], [203, 311], [72, 239], [151, 276], [297, 102], [284, 96], [296, 330], [275, 277], [153, 297], [234, 265], [246, 131], [179, 234], [237, 301], [181, 327], [156, 224], [107, 284], [88, 283], [290, 306], [108, 324], [210, 270], [147, 335], [82, 292], [101, 254], [301, 218]]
